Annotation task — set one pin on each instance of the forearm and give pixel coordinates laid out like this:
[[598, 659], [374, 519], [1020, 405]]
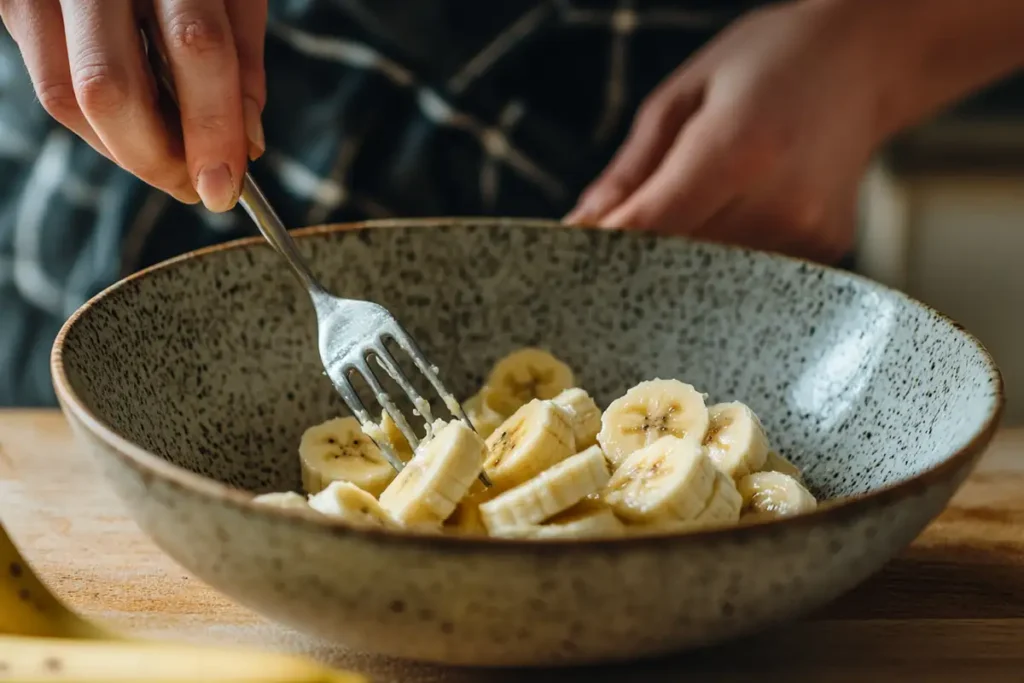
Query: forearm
[[936, 51]]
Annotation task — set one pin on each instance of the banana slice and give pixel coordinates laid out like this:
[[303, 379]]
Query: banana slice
[[481, 412], [648, 412], [776, 463], [583, 413], [288, 500], [735, 440], [536, 437], [395, 437], [723, 508], [345, 500], [338, 450], [426, 492], [552, 491], [466, 517], [524, 375], [672, 479], [466, 520], [586, 519], [772, 495]]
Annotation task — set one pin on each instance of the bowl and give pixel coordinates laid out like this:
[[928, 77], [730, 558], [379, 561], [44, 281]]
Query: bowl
[[191, 383]]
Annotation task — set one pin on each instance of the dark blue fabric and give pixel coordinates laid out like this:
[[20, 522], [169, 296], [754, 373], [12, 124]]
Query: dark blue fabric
[[376, 109]]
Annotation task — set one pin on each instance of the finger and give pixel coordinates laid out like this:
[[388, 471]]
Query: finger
[[710, 163], [38, 29], [756, 224], [116, 95], [749, 224], [249, 25], [200, 49], [654, 128]]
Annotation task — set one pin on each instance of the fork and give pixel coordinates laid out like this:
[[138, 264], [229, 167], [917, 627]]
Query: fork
[[350, 331]]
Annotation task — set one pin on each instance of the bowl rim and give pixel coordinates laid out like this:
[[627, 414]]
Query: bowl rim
[[150, 465]]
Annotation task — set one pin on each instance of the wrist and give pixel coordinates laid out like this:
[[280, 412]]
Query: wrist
[[927, 54]]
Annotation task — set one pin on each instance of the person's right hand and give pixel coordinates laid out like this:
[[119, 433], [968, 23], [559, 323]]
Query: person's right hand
[[89, 70]]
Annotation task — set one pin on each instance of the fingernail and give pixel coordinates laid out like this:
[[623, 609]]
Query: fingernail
[[216, 188], [580, 215], [254, 128], [589, 210], [575, 217]]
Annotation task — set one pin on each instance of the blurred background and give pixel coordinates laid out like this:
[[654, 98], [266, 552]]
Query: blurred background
[[942, 218]]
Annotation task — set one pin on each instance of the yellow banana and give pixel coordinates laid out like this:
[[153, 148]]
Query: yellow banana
[[41, 660]]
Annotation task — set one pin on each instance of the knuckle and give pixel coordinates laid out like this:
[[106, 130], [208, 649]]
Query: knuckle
[[58, 99], [101, 89], [196, 32]]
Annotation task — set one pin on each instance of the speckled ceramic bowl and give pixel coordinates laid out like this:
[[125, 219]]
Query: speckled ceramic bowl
[[192, 382]]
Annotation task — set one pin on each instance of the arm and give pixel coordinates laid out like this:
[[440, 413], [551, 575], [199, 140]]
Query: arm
[[942, 50]]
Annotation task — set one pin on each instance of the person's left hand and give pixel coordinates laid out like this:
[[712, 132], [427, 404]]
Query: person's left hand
[[760, 139]]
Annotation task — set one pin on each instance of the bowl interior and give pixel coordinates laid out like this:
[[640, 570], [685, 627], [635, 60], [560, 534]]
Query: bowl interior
[[211, 362]]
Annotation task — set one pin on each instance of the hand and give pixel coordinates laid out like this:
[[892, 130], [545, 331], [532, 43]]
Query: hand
[[760, 139], [87, 64]]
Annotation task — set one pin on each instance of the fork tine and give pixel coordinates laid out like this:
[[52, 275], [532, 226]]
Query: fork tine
[[385, 401], [408, 344], [402, 338], [390, 365], [355, 404]]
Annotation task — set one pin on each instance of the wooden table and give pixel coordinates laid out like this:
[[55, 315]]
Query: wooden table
[[951, 608]]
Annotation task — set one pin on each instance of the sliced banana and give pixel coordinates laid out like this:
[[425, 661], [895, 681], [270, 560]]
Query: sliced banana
[[466, 520], [288, 500], [481, 412], [536, 437], [776, 463], [554, 490], [648, 412], [338, 450], [586, 519], [524, 375], [723, 506], [735, 439], [395, 437], [772, 495], [584, 414], [347, 501], [426, 492], [671, 479]]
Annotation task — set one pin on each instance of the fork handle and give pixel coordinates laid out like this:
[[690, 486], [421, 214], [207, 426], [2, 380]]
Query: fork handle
[[266, 219]]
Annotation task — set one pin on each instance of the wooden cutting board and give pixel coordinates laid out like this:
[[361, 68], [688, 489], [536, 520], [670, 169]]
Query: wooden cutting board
[[951, 608]]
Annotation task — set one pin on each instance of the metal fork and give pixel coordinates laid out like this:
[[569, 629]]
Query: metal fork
[[350, 331]]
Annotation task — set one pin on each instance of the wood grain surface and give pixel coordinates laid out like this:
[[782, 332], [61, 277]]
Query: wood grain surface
[[951, 608]]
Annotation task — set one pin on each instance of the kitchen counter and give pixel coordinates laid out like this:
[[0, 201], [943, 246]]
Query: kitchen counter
[[950, 608]]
